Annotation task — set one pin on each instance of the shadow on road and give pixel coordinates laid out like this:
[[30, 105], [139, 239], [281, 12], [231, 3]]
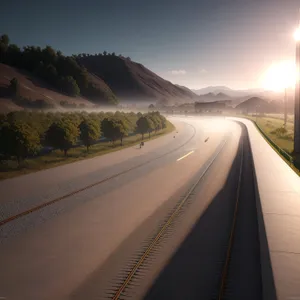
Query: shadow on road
[[195, 270]]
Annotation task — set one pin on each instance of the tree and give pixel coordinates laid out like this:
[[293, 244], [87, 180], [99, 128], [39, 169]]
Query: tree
[[157, 124], [89, 132], [69, 86], [62, 135], [13, 56], [151, 107], [114, 129], [51, 73], [47, 72], [144, 125], [4, 39], [19, 140], [15, 87], [162, 119], [31, 58], [123, 128], [4, 42], [49, 55], [151, 125]]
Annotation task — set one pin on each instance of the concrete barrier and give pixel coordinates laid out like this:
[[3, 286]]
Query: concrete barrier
[[278, 206]]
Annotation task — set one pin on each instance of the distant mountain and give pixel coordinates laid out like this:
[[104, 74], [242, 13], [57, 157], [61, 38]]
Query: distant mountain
[[222, 96], [258, 104], [213, 97], [229, 92], [211, 89], [131, 81]]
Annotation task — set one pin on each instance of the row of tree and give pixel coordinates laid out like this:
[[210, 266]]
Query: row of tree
[[62, 72], [104, 53], [23, 134]]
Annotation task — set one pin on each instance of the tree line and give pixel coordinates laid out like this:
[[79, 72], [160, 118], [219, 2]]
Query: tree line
[[62, 72], [23, 133]]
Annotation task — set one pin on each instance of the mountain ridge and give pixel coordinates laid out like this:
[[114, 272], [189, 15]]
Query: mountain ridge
[[132, 81], [107, 76], [228, 91]]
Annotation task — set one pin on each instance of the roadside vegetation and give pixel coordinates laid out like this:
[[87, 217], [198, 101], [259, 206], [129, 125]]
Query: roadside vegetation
[[33, 141], [275, 130], [282, 137]]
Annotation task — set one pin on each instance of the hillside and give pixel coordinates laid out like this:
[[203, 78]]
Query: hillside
[[255, 104], [32, 89], [185, 88], [45, 78], [131, 81]]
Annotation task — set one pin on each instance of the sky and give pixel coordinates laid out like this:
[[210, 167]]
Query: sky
[[189, 42]]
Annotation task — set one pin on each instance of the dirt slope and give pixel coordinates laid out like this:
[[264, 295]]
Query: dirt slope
[[35, 89]]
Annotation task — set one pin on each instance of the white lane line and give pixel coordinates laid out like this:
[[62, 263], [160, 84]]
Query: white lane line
[[185, 155]]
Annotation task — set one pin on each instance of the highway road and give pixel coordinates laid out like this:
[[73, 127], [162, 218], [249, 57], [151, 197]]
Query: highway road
[[153, 223]]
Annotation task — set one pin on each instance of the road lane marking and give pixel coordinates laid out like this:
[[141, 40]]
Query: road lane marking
[[119, 293], [45, 204], [185, 155]]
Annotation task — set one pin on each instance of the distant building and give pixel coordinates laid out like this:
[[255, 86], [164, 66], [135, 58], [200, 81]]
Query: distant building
[[211, 107]]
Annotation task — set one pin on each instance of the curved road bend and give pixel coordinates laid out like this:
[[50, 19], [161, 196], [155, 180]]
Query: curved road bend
[[83, 246]]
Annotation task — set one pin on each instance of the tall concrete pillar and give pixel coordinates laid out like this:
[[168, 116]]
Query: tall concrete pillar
[[297, 103]]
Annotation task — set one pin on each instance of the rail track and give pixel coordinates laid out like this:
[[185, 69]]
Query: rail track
[[125, 285], [118, 294]]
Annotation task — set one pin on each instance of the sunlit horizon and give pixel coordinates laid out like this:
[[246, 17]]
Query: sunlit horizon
[[297, 34], [279, 76]]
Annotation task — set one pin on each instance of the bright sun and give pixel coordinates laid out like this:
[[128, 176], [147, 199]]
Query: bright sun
[[280, 75], [297, 34]]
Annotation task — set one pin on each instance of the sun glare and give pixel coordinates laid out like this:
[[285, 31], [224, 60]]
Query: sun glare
[[279, 76], [297, 34]]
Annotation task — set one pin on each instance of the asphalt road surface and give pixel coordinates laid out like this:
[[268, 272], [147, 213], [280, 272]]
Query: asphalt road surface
[[104, 214]]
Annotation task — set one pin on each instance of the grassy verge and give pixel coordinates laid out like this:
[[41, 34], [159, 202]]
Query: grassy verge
[[270, 126], [290, 118], [281, 141], [56, 158]]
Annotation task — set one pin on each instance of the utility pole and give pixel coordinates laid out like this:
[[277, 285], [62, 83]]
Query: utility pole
[[297, 95], [285, 107], [256, 115]]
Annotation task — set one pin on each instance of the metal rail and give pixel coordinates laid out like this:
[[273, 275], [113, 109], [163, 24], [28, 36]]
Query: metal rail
[[232, 231], [158, 236]]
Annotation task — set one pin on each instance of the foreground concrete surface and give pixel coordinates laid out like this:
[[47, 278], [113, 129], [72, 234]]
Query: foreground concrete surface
[[75, 248], [278, 189], [52, 253]]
